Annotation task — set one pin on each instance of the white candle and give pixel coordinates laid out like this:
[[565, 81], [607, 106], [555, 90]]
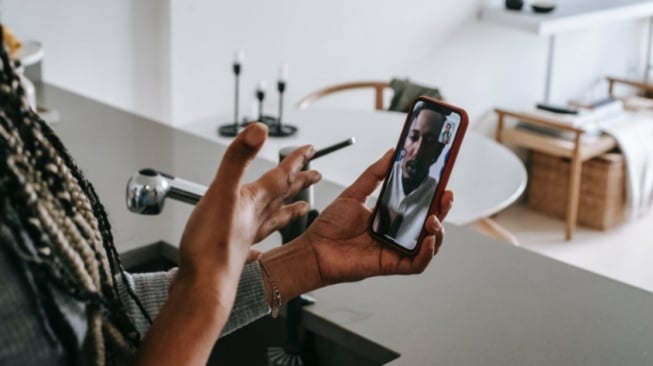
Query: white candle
[[261, 86], [239, 56], [283, 73]]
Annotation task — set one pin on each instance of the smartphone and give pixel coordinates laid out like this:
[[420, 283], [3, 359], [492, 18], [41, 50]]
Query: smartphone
[[417, 176]]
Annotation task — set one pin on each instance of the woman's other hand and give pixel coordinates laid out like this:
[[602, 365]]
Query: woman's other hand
[[231, 216], [344, 249]]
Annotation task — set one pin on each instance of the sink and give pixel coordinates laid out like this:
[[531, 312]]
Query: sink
[[325, 344], [249, 345]]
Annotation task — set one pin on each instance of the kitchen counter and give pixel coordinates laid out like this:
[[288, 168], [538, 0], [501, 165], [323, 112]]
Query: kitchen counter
[[481, 302]]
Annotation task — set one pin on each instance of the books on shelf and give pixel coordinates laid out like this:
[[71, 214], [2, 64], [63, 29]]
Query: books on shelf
[[637, 103], [589, 118], [552, 132]]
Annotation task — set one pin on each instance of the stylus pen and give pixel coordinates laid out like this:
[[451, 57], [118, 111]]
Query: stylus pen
[[332, 148]]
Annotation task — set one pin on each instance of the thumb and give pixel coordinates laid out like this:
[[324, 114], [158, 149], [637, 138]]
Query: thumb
[[370, 179]]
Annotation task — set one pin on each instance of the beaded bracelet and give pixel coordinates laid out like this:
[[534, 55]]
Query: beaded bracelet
[[276, 294]]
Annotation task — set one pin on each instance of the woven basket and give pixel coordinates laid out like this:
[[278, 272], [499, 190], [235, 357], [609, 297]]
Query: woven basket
[[602, 190]]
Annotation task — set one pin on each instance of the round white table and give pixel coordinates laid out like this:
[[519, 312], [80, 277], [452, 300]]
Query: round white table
[[486, 178]]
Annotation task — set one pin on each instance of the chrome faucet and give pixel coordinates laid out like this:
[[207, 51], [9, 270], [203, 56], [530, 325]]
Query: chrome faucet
[[147, 190]]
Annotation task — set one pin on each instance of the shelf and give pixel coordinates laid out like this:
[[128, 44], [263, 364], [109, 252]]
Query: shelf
[[569, 15], [579, 149], [30, 53], [588, 148]]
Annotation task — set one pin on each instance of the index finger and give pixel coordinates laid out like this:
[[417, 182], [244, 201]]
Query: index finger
[[239, 154], [297, 159]]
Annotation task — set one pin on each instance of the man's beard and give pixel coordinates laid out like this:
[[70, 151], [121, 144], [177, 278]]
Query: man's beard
[[416, 169]]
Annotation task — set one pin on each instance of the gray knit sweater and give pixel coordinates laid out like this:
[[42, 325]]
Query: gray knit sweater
[[23, 338]]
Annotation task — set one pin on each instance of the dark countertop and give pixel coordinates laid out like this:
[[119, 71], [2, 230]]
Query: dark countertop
[[481, 302]]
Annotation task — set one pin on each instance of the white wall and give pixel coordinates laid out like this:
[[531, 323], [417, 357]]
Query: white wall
[[171, 60], [115, 51]]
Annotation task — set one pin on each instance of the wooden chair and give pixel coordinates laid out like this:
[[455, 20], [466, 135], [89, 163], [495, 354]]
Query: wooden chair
[[646, 89], [377, 86], [486, 225]]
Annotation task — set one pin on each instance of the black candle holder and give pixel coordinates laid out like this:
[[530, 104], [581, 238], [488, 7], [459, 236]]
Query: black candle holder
[[231, 129], [276, 128], [270, 121], [514, 4], [280, 129]]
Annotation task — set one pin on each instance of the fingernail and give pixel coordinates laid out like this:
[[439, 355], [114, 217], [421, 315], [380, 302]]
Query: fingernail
[[256, 134], [438, 225], [305, 208], [309, 153], [318, 176]]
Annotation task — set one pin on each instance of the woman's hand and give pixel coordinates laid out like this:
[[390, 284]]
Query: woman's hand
[[216, 242], [344, 249], [337, 247], [231, 216]]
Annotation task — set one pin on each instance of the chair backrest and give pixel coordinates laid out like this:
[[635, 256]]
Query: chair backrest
[[377, 86], [404, 91], [646, 89]]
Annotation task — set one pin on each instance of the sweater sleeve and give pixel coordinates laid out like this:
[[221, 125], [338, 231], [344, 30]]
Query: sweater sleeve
[[152, 291]]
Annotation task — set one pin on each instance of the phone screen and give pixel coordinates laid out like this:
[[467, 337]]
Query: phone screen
[[418, 169]]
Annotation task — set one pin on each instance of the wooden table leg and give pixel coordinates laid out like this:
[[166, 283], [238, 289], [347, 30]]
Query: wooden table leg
[[573, 195], [491, 228], [499, 127]]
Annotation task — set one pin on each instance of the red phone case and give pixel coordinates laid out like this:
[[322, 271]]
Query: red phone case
[[446, 172]]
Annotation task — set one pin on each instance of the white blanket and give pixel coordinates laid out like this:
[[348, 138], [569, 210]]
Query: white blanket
[[634, 134]]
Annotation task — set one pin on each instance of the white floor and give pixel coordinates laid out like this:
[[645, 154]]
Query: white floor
[[624, 253]]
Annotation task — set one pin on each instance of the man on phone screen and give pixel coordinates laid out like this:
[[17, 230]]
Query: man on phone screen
[[410, 189], [445, 136]]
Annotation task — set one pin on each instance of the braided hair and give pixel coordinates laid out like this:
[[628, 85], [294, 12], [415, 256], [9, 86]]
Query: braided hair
[[52, 221]]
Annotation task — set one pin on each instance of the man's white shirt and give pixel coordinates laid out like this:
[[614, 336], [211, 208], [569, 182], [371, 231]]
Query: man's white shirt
[[414, 207]]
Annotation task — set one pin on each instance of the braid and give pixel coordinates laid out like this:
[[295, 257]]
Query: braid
[[53, 222]]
